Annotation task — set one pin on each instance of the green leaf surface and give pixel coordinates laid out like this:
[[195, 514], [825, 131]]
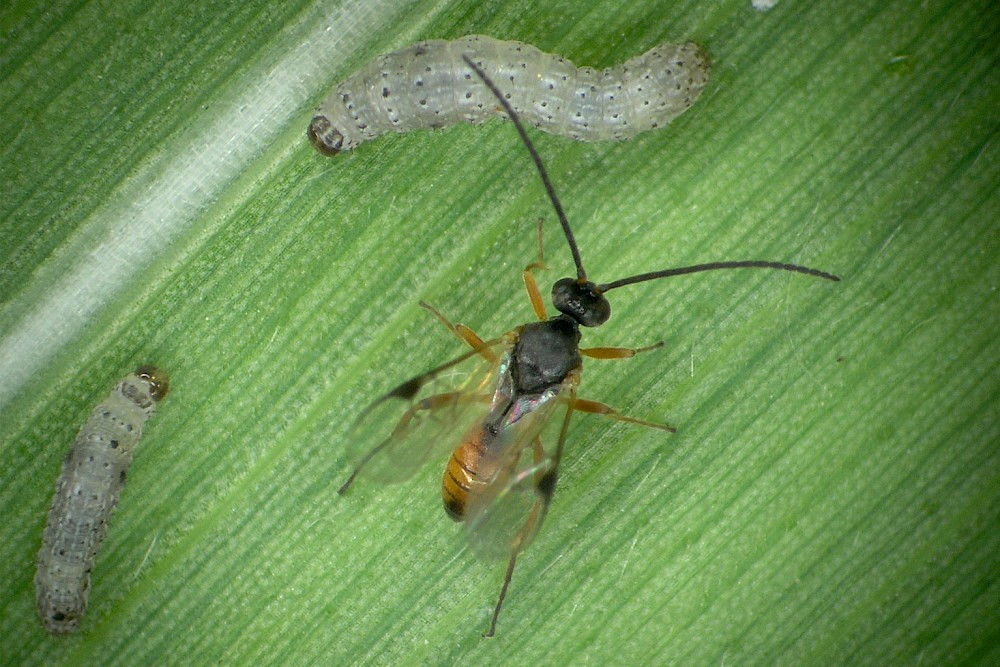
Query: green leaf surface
[[832, 493]]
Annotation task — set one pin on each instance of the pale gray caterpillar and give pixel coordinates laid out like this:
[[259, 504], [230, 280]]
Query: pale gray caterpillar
[[93, 474], [427, 85]]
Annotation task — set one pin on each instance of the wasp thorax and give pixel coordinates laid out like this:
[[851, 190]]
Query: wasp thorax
[[581, 301]]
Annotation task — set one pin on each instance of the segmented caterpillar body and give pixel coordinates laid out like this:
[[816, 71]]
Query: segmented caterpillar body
[[93, 475], [427, 85]]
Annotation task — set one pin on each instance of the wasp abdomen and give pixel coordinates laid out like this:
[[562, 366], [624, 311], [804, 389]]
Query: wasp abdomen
[[467, 472]]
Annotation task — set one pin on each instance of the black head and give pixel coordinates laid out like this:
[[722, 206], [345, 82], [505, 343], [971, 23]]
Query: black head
[[581, 300]]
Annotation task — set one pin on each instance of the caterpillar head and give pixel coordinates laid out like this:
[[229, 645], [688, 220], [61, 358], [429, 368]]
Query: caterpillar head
[[159, 383], [324, 137]]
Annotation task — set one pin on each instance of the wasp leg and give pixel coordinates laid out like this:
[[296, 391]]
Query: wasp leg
[[617, 352], [545, 485], [598, 408], [503, 594], [462, 332], [528, 277], [435, 402]]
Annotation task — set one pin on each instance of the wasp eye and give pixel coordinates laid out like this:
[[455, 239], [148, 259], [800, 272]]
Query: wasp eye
[[581, 301]]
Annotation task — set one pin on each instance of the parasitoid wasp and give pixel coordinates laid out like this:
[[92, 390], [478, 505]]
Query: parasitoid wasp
[[494, 417]]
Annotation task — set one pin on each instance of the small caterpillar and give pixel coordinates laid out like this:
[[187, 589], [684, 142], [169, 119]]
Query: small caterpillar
[[427, 85], [93, 474]]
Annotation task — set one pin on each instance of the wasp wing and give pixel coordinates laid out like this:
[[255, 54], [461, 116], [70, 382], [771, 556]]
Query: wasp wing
[[394, 435], [506, 514]]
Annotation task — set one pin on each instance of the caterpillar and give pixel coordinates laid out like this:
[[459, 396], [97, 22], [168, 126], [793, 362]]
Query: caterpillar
[[428, 86], [92, 478]]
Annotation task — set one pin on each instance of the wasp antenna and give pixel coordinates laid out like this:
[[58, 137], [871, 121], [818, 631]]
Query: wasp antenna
[[712, 266], [580, 273]]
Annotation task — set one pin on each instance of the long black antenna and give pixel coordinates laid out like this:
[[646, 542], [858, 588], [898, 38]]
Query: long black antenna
[[580, 273], [711, 266]]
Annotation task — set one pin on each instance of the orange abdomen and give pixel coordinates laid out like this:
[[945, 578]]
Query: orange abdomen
[[468, 470]]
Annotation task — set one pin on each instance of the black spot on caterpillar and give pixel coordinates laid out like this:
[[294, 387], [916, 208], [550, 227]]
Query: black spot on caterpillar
[[93, 475], [427, 85]]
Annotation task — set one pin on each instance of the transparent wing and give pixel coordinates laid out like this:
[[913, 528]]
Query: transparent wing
[[504, 517], [394, 435]]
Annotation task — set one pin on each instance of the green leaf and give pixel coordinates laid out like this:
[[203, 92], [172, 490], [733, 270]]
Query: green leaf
[[832, 494]]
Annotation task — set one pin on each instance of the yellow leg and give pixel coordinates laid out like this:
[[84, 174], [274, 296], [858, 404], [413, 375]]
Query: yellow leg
[[528, 277], [524, 535], [617, 352], [462, 332], [598, 408]]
